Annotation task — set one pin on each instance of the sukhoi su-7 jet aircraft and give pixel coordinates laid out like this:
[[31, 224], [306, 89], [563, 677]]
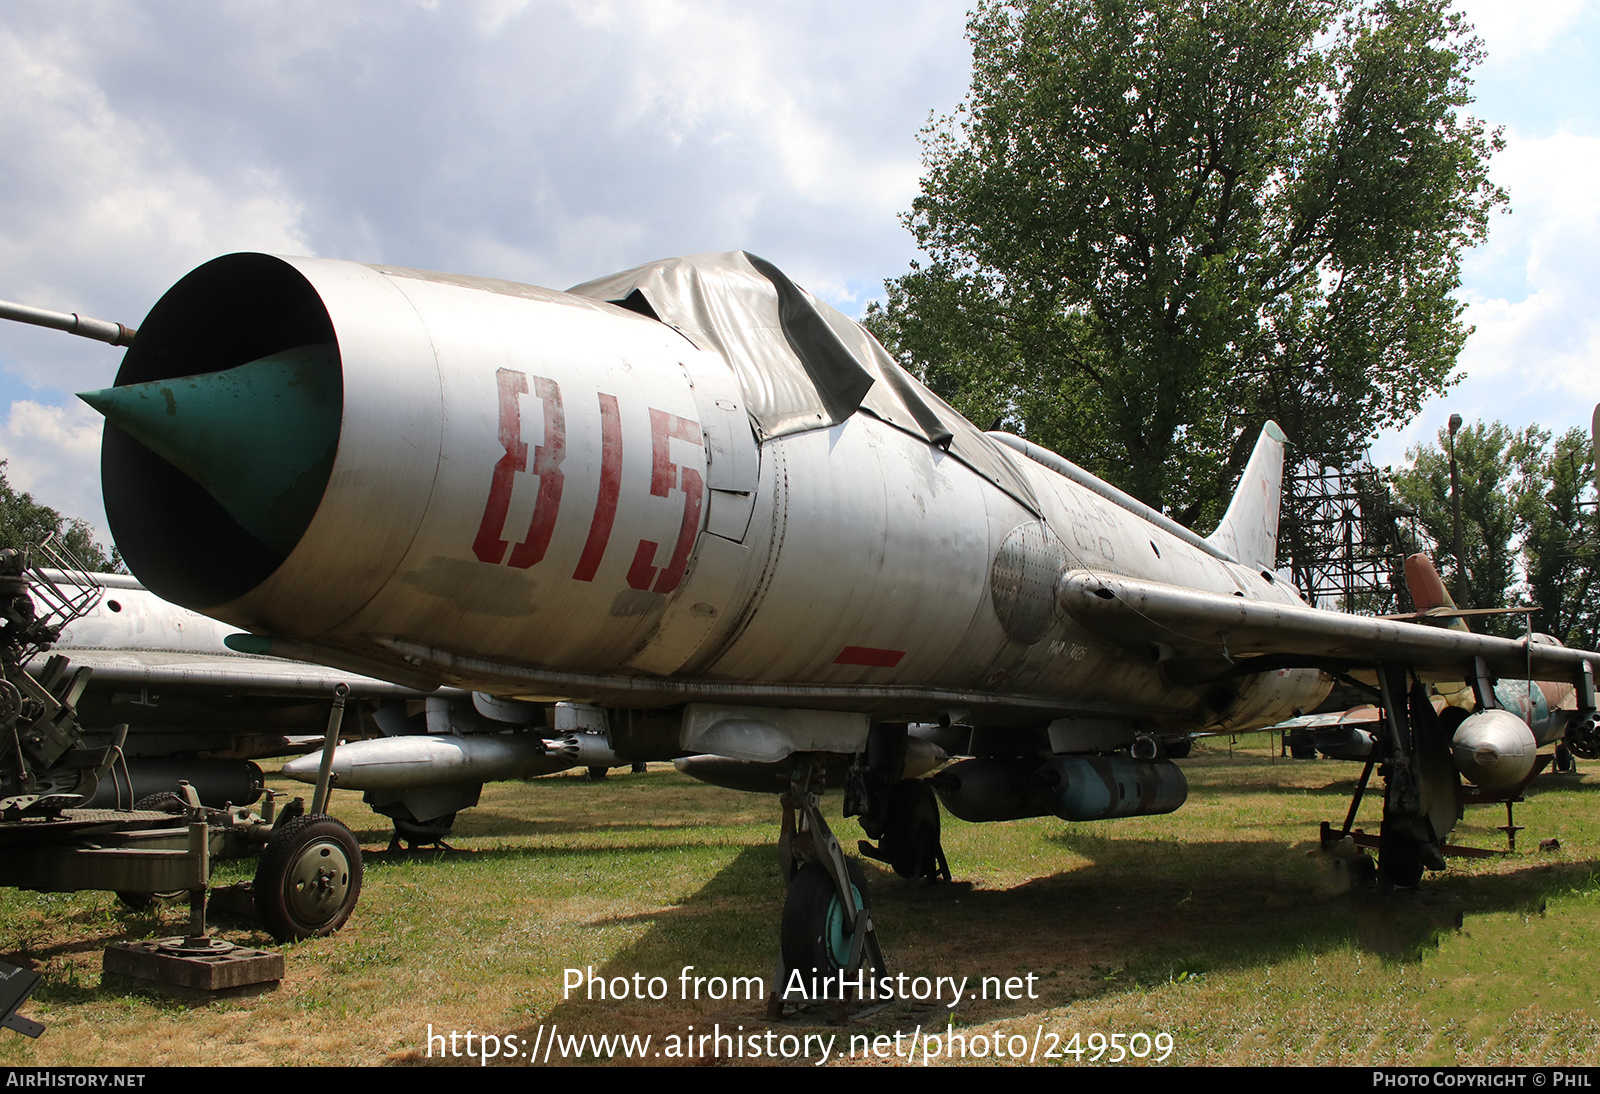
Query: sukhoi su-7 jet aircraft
[[713, 509]]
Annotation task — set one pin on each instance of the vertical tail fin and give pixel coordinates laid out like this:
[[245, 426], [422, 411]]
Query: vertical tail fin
[[1428, 592], [1427, 589], [1249, 530]]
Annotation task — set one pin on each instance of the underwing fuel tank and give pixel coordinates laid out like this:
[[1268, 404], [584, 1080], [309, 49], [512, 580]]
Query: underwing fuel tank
[[422, 760], [1494, 749], [1076, 788], [773, 778]]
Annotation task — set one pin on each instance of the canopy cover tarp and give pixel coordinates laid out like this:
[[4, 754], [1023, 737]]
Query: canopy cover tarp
[[801, 364]]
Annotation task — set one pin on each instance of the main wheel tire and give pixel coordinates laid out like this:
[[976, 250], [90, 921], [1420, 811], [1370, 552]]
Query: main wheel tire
[[911, 836], [308, 879], [1399, 860], [814, 937], [1564, 764], [419, 833]]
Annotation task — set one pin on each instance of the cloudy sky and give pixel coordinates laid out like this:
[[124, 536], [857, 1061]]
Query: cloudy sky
[[552, 142]]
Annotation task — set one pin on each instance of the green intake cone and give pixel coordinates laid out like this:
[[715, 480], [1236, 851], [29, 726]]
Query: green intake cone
[[259, 438]]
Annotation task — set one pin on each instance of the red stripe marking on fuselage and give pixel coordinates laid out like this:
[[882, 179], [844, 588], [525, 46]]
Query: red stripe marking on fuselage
[[869, 656]]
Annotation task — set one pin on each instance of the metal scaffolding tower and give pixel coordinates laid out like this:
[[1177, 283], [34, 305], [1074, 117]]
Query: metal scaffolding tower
[[1341, 537]]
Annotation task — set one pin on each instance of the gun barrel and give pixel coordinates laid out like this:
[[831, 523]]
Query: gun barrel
[[73, 323]]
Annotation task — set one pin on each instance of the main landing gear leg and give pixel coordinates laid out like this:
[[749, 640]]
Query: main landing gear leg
[[909, 840], [901, 814], [828, 943], [1422, 800]]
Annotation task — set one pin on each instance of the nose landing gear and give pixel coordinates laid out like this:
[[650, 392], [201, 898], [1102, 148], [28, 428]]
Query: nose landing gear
[[828, 942]]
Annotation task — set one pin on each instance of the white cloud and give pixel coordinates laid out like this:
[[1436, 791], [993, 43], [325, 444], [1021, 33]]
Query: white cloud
[[103, 184], [543, 140], [1532, 297], [53, 453], [101, 208], [1511, 31], [1546, 340]]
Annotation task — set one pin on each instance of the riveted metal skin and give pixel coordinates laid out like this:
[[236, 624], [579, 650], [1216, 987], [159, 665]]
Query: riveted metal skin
[[1023, 581]]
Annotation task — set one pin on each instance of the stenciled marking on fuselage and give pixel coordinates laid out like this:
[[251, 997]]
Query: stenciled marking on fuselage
[[869, 656], [490, 546], [605, 507], [664, 428]]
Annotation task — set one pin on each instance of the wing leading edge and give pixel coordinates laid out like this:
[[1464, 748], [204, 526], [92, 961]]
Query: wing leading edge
[[1130, 610]]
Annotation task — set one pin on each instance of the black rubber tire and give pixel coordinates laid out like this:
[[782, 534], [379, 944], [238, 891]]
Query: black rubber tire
[[595, 774], [147, 902], [1399, 861], [419, 833], [1564, 763], [1178, 750], [166, 801], [308, 879], [911, 836], [810, 937], [163, 801]]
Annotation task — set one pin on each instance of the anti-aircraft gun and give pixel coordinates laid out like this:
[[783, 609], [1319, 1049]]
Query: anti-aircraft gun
[[308, 878]]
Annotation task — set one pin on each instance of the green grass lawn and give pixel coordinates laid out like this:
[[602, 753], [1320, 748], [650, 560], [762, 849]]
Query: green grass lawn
[[1219, 925]]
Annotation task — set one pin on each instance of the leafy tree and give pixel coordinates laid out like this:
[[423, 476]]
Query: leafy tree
[[1486, 470], [24, 523], [1560, 536], [1153, 226], [1527, 512]]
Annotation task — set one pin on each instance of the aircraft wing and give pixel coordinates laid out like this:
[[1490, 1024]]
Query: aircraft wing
[[1196, 623], [1356, 716], [235, 674]]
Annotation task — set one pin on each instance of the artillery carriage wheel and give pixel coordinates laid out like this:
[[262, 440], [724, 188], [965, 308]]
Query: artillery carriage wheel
[[309, 878]]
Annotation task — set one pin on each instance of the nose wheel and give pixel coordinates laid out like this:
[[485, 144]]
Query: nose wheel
[[818, 935]]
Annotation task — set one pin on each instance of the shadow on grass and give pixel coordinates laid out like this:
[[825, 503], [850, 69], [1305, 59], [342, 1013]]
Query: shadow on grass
[[1242, 904], [1142, 913], [64, 972], [484, 824], [492, 855]]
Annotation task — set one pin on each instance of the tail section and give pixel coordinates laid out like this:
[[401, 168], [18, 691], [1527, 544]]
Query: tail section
[[1249, 530], [1427, 593], [1427, 589]]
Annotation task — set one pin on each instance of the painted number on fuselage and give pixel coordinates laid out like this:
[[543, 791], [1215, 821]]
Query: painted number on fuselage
[[605, 508], [547, 457], [664, 475], [664, 428]]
